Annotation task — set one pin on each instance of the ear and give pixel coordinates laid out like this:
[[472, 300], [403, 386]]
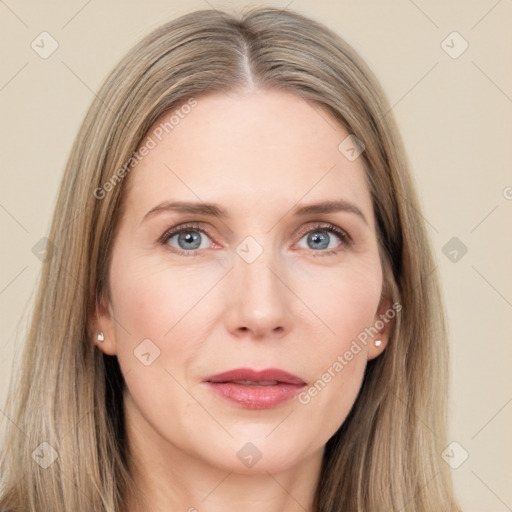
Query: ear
[[101, 319], [382, 328]]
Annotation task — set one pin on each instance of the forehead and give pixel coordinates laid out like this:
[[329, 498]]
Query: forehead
[[258, 149]]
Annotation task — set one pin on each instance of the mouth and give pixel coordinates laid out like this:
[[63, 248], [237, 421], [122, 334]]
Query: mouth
[[252, 389]]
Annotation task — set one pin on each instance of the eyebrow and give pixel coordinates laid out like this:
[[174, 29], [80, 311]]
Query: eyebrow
[[214, 210]]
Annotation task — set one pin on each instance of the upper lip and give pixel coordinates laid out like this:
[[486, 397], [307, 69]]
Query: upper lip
[[246, 374]]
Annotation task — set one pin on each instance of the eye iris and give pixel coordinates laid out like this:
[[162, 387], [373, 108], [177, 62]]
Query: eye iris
[[320, 239], [189, 237]]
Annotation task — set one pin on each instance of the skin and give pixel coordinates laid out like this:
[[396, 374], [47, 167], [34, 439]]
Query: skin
[[257, 154]]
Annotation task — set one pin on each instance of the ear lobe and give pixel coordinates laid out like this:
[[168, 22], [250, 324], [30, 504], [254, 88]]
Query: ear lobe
[[101, 324], [383, 323]]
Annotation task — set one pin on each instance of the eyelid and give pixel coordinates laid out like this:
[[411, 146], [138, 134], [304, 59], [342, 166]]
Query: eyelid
[[346, 239], [327, 226]]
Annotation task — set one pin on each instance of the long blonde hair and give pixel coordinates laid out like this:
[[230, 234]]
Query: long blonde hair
[[68, 394]]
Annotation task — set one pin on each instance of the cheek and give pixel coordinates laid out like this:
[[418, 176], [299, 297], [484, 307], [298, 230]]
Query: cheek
[[344, 301], [328, 400], [151, 297], [170, 308], [156, 341]]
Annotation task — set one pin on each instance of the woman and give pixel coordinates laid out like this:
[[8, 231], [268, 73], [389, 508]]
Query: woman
[[240, 308]]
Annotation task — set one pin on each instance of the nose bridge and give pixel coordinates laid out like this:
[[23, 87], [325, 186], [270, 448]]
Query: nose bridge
[[258, 298], [252, 267]]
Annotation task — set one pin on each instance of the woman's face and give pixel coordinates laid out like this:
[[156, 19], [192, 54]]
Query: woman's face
[[257, 282]]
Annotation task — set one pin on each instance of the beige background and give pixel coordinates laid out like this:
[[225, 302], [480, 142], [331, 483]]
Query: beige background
[[456, 118]]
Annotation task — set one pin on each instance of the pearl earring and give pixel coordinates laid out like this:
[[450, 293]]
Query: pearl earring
[[101, 336], [377, 343]]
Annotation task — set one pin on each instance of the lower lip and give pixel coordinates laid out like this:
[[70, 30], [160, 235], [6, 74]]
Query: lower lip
[[256, 397]]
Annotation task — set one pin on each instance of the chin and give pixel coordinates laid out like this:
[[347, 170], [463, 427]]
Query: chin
[[257, 455]]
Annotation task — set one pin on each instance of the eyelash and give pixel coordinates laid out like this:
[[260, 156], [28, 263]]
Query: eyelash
[[331, 228]]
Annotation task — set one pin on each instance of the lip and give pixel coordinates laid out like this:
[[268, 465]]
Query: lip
[[253, 389]]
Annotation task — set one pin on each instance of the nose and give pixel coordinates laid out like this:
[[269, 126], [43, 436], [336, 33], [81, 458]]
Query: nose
[[258, 301]]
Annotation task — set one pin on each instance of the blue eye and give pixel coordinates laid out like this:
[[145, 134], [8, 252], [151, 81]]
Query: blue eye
[[320, 239], [188, 239]]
